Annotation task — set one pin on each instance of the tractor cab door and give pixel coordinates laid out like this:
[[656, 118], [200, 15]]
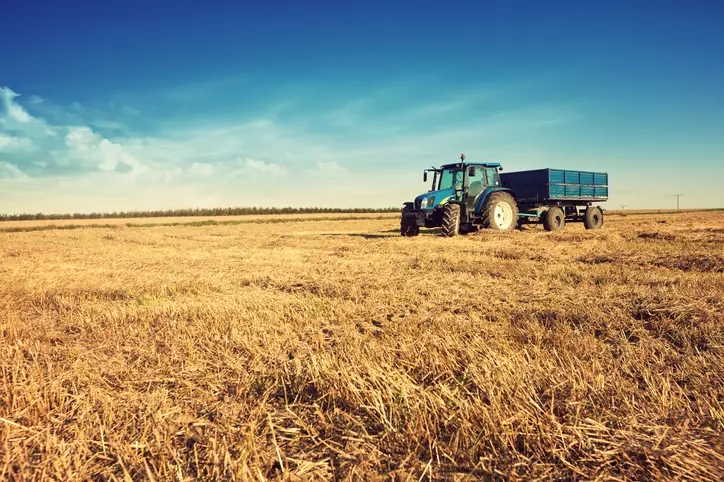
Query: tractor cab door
[[476, 185]]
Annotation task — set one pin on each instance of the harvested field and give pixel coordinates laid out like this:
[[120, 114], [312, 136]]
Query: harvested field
[[9, 226], [337, 350]]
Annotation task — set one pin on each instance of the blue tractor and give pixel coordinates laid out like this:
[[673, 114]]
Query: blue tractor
[[468, 196]]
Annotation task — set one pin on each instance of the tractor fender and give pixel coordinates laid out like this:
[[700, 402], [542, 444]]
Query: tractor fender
[[483, 198]]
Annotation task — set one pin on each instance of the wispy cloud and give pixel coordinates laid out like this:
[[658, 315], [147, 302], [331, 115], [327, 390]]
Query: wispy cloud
[[16, 144], [91, 149], [42, 149], [293, 144], [35, 100], [11, 171], [331, 169], [200, 169], [261, 166], [13, 110]]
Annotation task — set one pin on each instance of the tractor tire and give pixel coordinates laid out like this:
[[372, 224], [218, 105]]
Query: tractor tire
[[450, 220], [554, 219], [500, 212], [408, 229], [593, 218]]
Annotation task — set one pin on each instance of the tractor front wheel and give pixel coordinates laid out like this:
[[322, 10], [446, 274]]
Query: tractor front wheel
[[500, 212], [450, 220], [409, 230], [405, 228]]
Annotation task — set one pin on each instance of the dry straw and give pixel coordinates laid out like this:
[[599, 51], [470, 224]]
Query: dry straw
[[335, 349]]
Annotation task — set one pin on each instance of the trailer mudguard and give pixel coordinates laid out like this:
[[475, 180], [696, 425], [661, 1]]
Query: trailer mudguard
[[482, 199]]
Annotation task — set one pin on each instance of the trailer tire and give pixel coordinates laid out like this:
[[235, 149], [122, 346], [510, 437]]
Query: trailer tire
[[554, 219], [500, 212], [593, 218], [450, 220]]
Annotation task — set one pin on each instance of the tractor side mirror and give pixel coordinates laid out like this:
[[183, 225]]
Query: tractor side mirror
[[424, 176], [471, 171]]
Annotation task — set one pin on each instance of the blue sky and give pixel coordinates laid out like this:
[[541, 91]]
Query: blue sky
[[155, 105]]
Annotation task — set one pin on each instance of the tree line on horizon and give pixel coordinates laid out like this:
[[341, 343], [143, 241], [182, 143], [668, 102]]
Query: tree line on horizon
[[235, 211]]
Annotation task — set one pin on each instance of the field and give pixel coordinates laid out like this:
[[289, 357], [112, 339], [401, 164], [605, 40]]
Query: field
[[329, 349]]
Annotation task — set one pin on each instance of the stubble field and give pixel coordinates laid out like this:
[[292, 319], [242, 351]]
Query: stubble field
[[337, 350]]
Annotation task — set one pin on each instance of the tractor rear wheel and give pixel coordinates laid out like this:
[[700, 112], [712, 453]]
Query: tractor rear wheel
[[554, 219], [500, 212], [450, 220], [593, 218]]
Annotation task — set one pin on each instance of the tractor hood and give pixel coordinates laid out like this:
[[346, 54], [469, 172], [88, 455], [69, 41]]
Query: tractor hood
[[432, 199]]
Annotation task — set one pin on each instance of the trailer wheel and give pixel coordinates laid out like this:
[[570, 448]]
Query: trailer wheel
[[593, 218], [554, 219], [500, 212], [450, 220]]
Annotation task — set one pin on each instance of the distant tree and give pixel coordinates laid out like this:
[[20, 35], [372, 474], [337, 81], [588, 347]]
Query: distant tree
[[229, 211]]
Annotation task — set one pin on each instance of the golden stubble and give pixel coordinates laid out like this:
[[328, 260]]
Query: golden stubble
[[336, 349]]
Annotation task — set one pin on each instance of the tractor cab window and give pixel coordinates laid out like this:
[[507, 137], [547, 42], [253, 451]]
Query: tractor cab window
[[451, 178], [493, 177]]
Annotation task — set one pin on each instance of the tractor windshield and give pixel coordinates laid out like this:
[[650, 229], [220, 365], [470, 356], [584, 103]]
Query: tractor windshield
[[451, 178]]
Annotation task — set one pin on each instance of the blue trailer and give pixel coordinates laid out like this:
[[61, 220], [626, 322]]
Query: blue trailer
[[556, 196], [466, 196]]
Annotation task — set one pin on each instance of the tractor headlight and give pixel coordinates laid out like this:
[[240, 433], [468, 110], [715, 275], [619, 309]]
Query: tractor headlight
[[428, 202]]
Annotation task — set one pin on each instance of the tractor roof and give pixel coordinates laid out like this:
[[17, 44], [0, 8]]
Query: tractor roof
[[461, 164]]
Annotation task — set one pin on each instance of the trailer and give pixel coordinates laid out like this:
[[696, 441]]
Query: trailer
[[557, 196]]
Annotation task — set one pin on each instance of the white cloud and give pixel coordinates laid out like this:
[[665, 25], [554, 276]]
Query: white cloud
[[108, 125], [11, 171], [331, 168], [13, 109], [222, 160], [105, 154], [199, 169], [111, 155], [16, 144], [82, 139], [16, 122], [261, 166]]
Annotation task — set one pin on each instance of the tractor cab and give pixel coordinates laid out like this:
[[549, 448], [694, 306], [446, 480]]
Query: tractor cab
[[458, 191], [462, 182]]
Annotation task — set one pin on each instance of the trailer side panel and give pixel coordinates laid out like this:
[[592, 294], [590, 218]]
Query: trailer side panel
[[550, 185]]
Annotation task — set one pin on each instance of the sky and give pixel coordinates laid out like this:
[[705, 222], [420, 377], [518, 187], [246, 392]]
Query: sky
[[144, 105]]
